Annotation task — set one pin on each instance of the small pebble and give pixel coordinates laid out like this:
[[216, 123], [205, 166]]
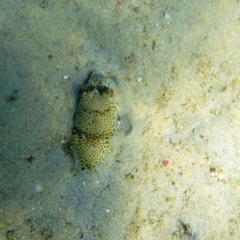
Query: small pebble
[[38, 188], [167, 15], [165, 163], [66, 77]]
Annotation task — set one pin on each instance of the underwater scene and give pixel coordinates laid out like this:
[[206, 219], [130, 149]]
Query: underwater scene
[[119, 120]]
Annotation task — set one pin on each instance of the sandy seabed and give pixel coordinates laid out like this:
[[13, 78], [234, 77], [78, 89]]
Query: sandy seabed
[[177, 67]]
